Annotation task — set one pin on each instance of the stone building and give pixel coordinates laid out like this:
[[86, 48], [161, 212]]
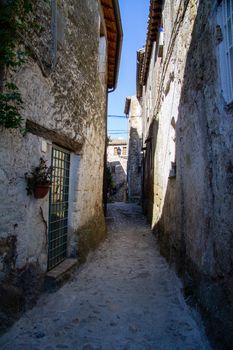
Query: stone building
[[117, 155], [184, 81], [134, 165], [73, 63]]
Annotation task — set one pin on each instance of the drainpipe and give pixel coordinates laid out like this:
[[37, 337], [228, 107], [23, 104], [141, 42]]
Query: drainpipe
[[119, 42], [108, 91], [105, 195]]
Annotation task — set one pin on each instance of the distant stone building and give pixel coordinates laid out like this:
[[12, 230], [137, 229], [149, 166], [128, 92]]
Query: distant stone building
[[74, 61], [134, 165], [185, 84], [117, 155]]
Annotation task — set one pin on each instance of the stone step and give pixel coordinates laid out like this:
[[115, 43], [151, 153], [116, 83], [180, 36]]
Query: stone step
[[56, 277]]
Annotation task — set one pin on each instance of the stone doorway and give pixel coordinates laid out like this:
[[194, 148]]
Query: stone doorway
[[58, 207]]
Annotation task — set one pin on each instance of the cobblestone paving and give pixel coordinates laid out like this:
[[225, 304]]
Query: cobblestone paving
[[124, 298]]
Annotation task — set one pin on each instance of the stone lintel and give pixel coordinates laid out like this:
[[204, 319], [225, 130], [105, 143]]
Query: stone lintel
[[56, 137]]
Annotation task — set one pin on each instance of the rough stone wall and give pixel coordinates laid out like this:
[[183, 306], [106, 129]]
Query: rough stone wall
[[134, 171], [191, 136], [117, 164], [66, 97], [149, 127]]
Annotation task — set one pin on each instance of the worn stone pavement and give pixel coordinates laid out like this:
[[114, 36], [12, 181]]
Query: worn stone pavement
[[125, 297]]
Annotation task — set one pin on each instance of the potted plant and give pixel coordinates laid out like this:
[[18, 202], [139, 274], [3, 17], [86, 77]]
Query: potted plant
[[39, 180]]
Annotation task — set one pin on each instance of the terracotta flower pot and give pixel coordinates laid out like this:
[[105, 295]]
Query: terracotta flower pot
[[41, 190]]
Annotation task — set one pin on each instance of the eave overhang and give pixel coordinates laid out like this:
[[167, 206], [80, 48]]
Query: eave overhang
[[140, 60], [154, 23], [116, 142], [113, 25]]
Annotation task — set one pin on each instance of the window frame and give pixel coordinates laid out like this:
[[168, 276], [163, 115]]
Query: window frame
[[224, 48]]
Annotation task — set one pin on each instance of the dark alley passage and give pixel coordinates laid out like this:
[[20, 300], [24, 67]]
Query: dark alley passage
[[125, 297]]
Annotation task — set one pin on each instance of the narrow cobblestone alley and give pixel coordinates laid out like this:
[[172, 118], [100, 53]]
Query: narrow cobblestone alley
[[125, 297]]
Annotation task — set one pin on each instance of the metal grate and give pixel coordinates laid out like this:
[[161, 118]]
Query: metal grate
[[58, 207]]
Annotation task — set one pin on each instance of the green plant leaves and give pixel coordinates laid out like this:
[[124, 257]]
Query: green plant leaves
[[13, 18], [39, 175], [10, 101]]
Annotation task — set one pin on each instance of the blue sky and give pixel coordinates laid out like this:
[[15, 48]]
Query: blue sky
[[134, 16]]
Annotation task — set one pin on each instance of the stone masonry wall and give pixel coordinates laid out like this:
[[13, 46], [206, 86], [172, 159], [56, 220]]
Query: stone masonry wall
[[65, 96], [191, 208], [134, 171], [117, 164]]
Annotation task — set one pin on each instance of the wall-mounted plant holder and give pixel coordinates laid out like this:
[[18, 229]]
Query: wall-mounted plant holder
[[41, 190], [39, 180]]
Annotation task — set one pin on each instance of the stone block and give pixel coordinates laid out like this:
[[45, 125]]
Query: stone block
[[61, 273]]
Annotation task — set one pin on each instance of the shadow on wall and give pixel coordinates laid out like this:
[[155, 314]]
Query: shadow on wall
[[134, 166], [195, 227], [148, 194], [117, 191]]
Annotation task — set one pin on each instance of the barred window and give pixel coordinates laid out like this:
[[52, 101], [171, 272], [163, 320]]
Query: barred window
[[124, 151]]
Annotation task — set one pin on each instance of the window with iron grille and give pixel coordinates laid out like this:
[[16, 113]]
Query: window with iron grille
[[58, 207], [225, 21]]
